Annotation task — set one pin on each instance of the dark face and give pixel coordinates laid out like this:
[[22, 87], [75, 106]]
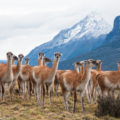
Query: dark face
[[9, 55], [41, 54], [27, 59], [57, 55], [15, 57], [98, 61], [95, 63], [20, 56], [47, 59], [78, 63], [92, 63]]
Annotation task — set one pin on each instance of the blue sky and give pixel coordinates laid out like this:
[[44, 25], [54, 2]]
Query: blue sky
[[25, 24]]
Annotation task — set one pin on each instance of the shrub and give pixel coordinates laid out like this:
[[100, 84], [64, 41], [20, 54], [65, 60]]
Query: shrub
[[108, 106]]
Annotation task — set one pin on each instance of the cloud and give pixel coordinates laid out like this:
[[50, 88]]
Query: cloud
[[25, 24]]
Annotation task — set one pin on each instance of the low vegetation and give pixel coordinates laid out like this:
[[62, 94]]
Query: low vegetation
[[108, 106], [21, 109]]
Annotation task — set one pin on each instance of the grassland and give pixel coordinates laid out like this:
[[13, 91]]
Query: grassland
[[21, 109]]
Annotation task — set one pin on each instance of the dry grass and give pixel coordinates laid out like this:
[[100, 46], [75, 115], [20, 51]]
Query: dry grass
[[29, 110]]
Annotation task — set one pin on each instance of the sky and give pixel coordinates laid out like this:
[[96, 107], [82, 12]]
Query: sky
[[25, 24]]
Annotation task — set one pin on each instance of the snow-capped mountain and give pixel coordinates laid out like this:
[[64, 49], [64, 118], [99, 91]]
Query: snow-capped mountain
[[92, 25], [88, 34], [108, 53]]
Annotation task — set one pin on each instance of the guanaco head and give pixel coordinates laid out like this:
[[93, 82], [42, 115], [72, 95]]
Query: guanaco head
[[46, 59], [82, 62], [91, 63], [77, 64], [27, 61], [57, 55], [9, 55], [40, 55], [20, 57], [99, 65], [99, 61], [15, 57]]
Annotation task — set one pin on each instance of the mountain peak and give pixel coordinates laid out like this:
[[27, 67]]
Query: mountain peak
[[115, 33], [94, 15], [116, 27], [93, 25]]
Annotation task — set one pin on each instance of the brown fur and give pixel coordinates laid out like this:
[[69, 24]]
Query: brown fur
[[25, 79], [94, 73], [6, 73], [43, 75], [73, 81], [60, 72], [113, 78], [15, 72]]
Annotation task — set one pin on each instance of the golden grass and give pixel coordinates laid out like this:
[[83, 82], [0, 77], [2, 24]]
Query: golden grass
[[29, 110]]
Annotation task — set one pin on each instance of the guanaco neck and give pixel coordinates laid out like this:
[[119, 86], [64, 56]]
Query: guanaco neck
[[44, 63], [54, 66], [9, 68], [87, 73], [13, 61], [99, 67], [76, 68], [82, 70], [40, 61], [19, 65], [26, 62]]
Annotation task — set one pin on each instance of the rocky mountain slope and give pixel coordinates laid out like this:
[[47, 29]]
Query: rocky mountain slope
[[109, 53], [83, 37]]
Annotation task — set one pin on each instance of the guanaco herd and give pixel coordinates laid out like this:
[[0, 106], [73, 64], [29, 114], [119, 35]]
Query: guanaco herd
[[41, 79]]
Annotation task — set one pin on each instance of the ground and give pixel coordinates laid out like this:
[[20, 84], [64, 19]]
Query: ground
[[20, 109]]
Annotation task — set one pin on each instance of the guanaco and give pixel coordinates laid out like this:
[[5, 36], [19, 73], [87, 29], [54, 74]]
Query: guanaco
[[73, 81], [43, 74]]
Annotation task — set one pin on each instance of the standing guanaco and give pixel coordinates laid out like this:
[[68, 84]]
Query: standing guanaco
[[43, 75], [73, 81]]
